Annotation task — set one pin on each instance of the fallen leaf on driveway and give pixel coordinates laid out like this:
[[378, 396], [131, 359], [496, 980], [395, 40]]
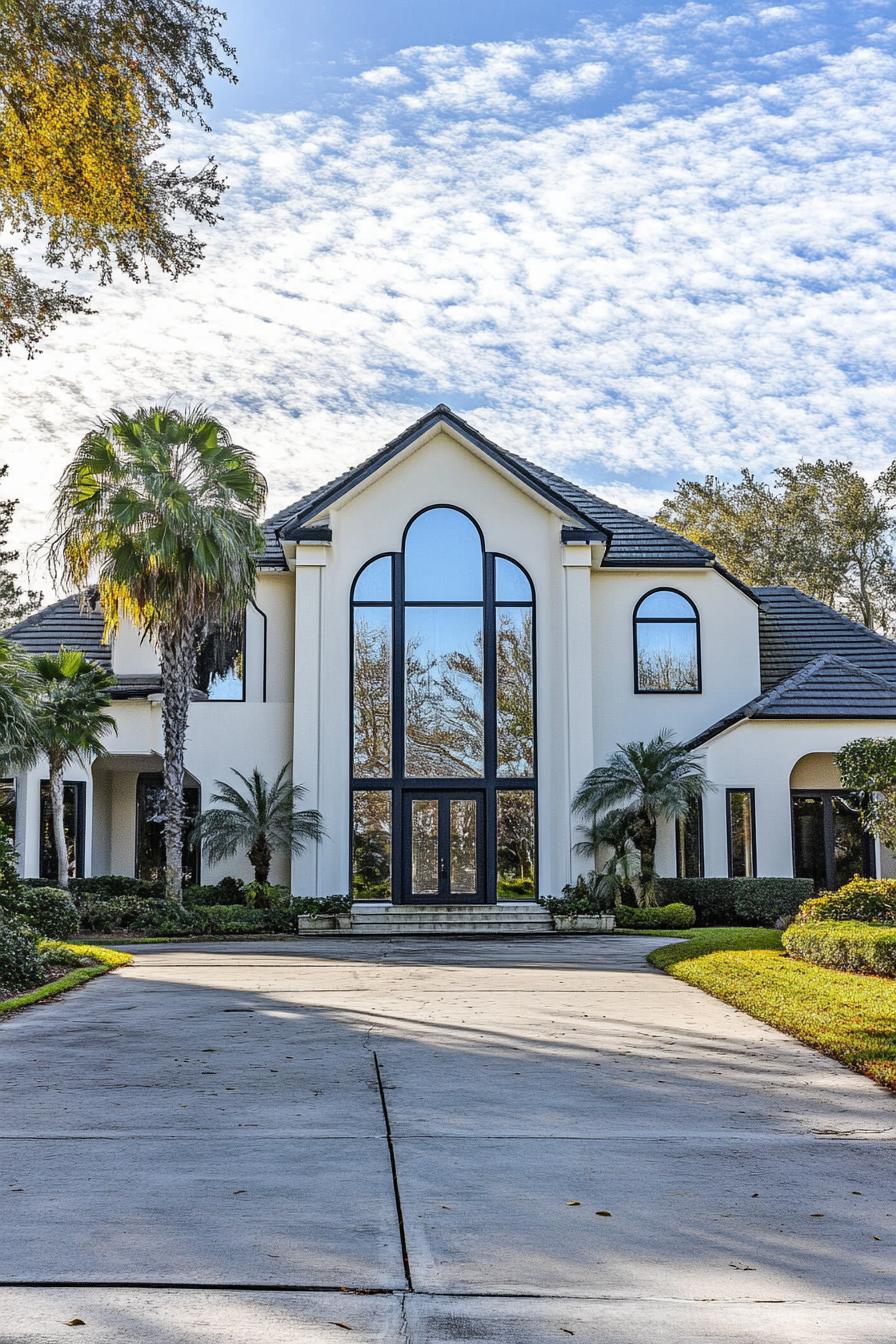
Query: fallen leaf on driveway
[[602, 1213], [573, 1203], [340, 1325], [75, 1320], [748, 1269]]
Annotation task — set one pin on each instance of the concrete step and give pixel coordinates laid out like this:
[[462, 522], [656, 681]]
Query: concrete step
[[384, 920]]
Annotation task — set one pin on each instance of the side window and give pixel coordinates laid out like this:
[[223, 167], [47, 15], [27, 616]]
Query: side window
[[667, 643], [220, 662], [689, 841], [741, 833]]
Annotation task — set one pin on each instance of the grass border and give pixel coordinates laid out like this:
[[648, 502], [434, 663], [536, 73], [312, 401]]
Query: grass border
[[846, 1015], [106, 958]]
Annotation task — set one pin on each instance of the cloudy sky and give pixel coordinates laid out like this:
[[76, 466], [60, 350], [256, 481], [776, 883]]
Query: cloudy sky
[[635, 242]]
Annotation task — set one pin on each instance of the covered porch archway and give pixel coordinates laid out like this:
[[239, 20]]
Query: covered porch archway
[[127, 817]]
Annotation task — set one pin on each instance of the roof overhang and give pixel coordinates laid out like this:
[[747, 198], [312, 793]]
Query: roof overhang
[[441, 419]]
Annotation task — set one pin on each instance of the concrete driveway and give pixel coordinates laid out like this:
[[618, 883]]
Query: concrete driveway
[[433, 1141]]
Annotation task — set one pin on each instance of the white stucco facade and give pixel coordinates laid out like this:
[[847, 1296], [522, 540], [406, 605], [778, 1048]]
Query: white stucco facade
[[297, 679]]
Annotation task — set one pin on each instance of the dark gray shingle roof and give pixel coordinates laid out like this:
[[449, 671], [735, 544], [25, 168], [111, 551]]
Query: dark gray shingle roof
[[829, 687], [633, 541], [76, 623], [794, 629]]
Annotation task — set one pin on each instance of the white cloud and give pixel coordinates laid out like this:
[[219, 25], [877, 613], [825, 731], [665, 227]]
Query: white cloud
[[383, 77], [563, 85], [698, 279]]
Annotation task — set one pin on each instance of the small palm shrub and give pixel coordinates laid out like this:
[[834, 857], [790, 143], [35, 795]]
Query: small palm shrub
[[47, 910], [674, 916], [870, 900], [21, 964], [844, 945]]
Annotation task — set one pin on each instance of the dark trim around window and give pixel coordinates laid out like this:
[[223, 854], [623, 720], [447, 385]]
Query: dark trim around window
[[752, 795], [826, 797], [398, 783], [47, 870], [682, 821], [666, 620]]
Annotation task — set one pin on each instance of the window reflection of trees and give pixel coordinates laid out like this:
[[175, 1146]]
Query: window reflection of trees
[[458, 643]]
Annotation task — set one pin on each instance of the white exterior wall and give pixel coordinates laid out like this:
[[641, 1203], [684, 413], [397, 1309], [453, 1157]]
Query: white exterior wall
[[372, 521], [762, 754], [298, 668]]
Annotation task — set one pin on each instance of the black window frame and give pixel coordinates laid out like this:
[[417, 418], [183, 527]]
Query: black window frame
[[47, 871], [399, 783], [827, 796], [235, 699], [681, 822], [666, 620], [193, 877], [728, 832]]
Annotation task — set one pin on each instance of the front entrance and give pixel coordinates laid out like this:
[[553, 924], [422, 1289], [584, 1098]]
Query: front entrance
[[829, 843], [444, 853]]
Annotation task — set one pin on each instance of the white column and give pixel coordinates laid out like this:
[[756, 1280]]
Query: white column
[[579, 683], [306, 746]]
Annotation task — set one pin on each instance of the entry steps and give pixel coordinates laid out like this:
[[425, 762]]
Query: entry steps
[[386, 921]]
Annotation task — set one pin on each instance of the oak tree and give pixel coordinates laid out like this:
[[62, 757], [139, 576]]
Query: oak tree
[[88, 91]]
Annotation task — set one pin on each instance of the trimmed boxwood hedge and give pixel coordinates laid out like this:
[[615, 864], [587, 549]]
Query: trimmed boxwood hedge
[[727, 901], [45, 909], [844, 945], [673, 916], [867, 899], [21, 964]]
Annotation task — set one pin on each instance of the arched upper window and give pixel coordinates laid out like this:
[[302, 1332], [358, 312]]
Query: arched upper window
[[443, 699], [667, 643]]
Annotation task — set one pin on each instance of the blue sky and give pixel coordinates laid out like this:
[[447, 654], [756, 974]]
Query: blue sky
[[635, 242]]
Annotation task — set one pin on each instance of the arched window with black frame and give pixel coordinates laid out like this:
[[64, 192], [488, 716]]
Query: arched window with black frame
[[443, 719], [666, 644]]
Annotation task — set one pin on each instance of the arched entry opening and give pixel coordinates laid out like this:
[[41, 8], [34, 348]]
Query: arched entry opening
[[829, 843]]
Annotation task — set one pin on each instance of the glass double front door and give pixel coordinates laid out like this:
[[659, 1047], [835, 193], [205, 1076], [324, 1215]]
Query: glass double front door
[[444, 858]]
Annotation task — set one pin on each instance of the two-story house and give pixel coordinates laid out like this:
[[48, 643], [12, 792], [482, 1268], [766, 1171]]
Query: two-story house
[[444, 641]]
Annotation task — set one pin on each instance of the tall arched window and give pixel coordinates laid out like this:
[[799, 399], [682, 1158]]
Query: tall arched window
[[666, 643], [443, 719]]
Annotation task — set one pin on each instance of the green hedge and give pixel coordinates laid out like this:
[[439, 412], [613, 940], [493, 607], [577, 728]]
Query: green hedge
[[21, 964], [676, 915], [727, 901], [844, 945], [46, 909], [867, 899], [112, 887]]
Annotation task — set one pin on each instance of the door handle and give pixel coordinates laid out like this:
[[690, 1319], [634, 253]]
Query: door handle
[[443, 867]]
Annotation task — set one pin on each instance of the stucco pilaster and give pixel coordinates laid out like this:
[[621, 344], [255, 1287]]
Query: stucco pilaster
[[579, 680], [306, 747]]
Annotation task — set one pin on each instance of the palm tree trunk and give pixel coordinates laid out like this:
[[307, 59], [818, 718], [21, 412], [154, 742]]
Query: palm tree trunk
[[57, 799], [177, 656], [260, 858], [647, 851]]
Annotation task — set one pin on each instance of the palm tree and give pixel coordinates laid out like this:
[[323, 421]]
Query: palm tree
[[641, 783], [161, 509], [257, 821], [18, 687], [72, 695]]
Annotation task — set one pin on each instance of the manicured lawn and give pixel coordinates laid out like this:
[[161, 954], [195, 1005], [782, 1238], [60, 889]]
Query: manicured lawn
[[850, 1017], [103, 958]]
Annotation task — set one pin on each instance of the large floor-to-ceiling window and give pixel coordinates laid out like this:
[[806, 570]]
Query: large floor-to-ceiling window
[[443, 720]]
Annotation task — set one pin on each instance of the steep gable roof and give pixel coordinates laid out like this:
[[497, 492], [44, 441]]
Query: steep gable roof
[[795, 628], [631, 541], [829, 687]]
